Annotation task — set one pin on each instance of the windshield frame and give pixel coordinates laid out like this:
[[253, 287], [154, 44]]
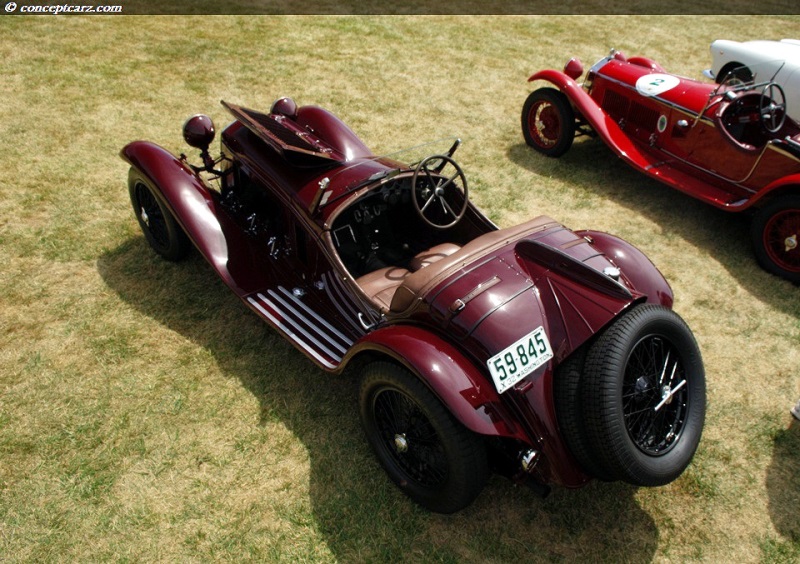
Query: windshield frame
[[394, 166]]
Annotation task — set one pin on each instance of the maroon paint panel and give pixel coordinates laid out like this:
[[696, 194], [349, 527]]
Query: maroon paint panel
[[634, 265], [461, 385]]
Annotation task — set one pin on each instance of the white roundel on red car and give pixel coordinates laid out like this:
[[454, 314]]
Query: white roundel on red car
[[655, 84]]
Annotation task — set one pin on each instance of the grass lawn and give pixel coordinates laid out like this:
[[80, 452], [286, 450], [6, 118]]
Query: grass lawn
[[147, 415]]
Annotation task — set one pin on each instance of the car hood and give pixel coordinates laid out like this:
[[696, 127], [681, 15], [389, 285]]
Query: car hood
[[554, 280], [689, 94]]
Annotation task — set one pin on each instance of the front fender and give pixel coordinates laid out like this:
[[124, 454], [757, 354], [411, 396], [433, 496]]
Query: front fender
[[606, 128], [634, 265], [187, 197], [457, 382]]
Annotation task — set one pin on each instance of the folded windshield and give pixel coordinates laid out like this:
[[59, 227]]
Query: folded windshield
[[387, 166]]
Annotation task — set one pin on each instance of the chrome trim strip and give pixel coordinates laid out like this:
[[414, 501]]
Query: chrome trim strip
[[314, 314], [288, 332], [293, 322]]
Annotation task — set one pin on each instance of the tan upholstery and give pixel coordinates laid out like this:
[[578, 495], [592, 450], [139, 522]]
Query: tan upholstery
[[379, 285], [418, 283], [428, 257]]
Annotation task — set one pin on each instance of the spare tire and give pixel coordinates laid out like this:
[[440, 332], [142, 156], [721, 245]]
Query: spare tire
[[643, 396], [567, 387]]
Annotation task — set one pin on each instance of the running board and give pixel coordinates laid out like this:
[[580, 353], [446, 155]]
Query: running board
[[307, 330]]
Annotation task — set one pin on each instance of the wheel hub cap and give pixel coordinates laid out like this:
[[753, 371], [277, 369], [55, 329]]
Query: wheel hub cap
[[791, 243], [145, 217], [400, 443]]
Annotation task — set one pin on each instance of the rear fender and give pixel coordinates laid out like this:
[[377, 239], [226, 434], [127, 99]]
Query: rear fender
[[604, 125], [634, 266], [187, 197], [782, 185], [456, 381]]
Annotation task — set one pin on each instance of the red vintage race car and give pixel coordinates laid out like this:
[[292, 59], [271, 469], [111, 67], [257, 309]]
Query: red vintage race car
[[541, 353], [730, 144]]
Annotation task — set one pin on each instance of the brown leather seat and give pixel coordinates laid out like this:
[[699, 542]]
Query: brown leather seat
[[428, 257], [379, 285], [418, 283]]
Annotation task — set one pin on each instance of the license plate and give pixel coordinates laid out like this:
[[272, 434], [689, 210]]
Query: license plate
[[516, 361]]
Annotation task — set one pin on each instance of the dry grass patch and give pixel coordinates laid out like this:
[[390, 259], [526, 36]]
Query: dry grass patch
[[145, 414]]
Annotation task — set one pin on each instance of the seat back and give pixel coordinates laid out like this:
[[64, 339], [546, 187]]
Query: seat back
[[380, 285], [417, 284]]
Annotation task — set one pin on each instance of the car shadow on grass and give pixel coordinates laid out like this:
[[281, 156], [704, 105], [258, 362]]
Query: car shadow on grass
[[783, 489], [354, 506], [591, 168]]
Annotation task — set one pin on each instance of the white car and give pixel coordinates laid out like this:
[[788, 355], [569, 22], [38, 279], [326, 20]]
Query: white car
[[762, 61]]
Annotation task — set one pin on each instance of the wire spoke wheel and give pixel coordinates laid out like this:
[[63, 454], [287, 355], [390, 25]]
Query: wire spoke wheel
[[426, 452], [780, 239], [643, 397], [544, 124], [548, 122], [160, 229], [654, 396], [774, 233], [409, 438], [151, 215]]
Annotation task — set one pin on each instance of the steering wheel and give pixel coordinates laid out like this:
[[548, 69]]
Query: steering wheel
[[772, 107], [438, 189]]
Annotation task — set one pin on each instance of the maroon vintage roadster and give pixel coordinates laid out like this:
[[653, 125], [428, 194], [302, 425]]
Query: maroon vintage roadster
[[548, 355], [730, 144]]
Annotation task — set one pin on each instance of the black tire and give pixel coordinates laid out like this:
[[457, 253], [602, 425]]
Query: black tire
[[647, 356], [567, 387], [737, 71], [160, 229], [548, 122], [435, 460], [774, 232]]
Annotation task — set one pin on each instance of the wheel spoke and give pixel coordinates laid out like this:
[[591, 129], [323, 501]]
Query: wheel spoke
[[653, 406], [664, 370], [423, 457]]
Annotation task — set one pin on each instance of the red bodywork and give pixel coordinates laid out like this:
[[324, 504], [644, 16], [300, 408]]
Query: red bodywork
[[686, 136], [292, 185]]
